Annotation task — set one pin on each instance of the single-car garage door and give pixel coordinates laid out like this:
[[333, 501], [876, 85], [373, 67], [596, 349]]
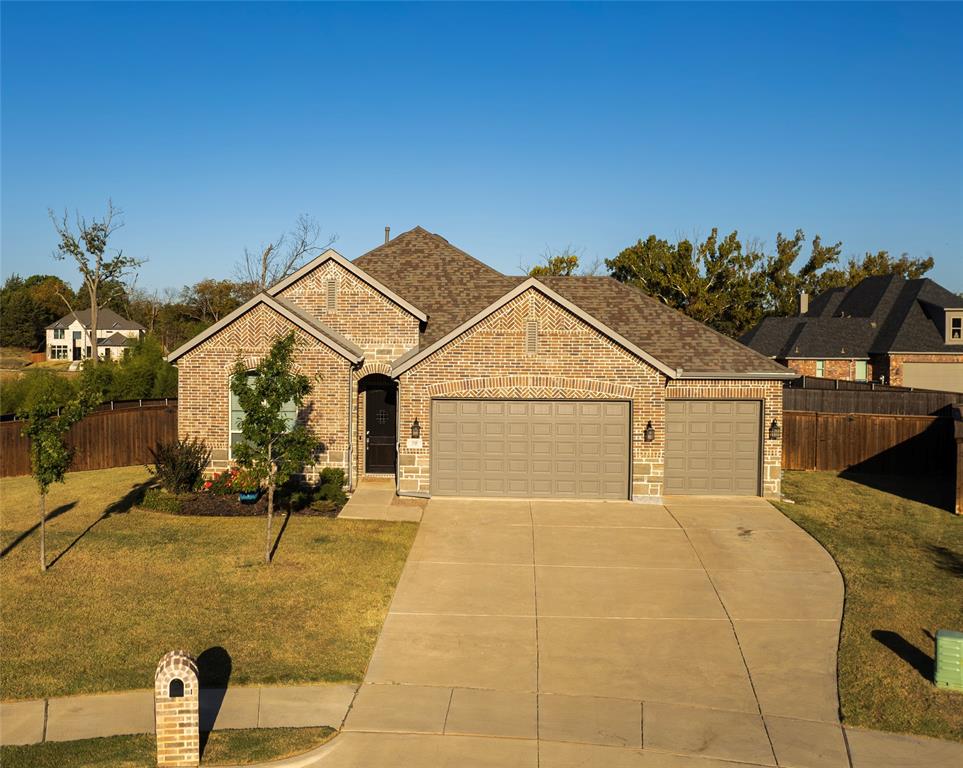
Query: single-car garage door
[[537, 448], [945, 377], [712, 447]]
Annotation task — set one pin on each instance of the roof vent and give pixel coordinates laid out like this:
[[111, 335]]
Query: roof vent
[[531, 337], [387, 234], [331, 295]]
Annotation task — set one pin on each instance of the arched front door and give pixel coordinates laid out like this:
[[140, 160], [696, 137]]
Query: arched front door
[[381, 423]]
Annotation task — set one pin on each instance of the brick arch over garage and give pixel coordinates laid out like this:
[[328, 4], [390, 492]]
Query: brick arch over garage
[[531, 387]]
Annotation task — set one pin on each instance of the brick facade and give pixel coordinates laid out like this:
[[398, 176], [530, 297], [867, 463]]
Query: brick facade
[[832, 369], [203, 385], [380, 327], [573, 361]]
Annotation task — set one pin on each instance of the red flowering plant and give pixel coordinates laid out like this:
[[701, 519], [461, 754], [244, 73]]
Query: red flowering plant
[[222, 483]]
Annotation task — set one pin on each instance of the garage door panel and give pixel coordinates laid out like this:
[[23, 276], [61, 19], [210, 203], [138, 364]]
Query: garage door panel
[[947, 377], [712, 447], [571, 449]]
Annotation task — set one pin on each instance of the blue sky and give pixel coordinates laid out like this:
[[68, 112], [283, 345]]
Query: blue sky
[[506, 128]]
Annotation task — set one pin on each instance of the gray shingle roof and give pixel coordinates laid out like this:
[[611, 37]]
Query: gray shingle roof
[[879, 315], [107, 320], [452, 287]]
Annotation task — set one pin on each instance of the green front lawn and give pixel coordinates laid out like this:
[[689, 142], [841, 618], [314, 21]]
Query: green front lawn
[[222, 748], [127, 585], [902, 562]]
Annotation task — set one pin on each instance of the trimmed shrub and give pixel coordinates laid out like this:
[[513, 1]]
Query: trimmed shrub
[[178, 464]]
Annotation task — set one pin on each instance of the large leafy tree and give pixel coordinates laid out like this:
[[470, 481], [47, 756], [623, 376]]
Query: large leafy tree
[[273, 448], [103, 271], [28, 306], [731, 284], [46, 424]]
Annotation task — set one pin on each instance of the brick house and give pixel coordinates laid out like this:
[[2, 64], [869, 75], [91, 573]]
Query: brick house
[[900, 332], [436, 369]]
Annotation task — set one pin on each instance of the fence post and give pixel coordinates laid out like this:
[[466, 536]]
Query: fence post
[[958, 434]]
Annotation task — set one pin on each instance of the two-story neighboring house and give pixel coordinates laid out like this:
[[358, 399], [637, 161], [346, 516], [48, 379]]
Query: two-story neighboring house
[[901, 332], [457, 380], [69, 337]]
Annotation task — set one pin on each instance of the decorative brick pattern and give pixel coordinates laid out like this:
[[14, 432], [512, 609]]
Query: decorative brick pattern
[[177, 711], [767, 392], [204, 386], [572, 361], [380, 327]]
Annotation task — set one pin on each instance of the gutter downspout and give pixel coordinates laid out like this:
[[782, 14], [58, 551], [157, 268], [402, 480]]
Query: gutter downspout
[[398, 437], [351, 436]]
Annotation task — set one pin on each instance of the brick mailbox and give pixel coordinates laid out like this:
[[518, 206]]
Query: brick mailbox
[[177, 711]]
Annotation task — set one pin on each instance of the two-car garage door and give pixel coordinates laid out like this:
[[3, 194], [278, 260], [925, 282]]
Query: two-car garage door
[[581, 448], [530, 448]]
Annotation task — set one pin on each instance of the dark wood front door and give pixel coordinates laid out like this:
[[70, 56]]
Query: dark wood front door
[[381, 405]]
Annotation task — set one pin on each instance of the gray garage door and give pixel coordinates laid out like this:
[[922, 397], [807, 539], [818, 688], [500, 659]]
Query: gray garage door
[[945, 377], [537, 448], [712, 447]]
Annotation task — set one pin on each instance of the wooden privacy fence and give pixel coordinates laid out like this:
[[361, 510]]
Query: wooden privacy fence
[[883, 400], [872, 443], [105, 438]]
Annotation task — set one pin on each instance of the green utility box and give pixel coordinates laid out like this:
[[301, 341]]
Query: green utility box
[[949, 659]]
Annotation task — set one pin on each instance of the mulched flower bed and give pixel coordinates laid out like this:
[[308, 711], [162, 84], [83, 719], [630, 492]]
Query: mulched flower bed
[[206, 504]]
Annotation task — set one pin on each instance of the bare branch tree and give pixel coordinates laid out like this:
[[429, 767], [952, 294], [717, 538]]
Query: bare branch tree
[[282, 257], [99, 269]]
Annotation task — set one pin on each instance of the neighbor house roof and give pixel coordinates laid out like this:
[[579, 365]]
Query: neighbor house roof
[[881, 314], [310, 325], [107, 320], [117, 340], [457, 290]]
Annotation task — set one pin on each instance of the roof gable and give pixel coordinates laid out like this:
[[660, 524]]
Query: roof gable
[[327, 336], [332, 255], [413, 358]]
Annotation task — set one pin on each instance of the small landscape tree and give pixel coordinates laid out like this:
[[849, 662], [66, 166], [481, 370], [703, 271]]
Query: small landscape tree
[[46, 426], [274, 444]]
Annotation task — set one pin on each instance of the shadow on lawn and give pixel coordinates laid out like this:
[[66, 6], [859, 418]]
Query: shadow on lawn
[[917, 659], [947, 559], [277, 540], [53, 513], [124, 504], [934, 490], [214, 674]]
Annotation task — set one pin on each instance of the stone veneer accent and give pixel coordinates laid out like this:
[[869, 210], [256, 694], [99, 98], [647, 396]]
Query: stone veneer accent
[[768, 392], [380, 327], [177, 719], [203, 386]]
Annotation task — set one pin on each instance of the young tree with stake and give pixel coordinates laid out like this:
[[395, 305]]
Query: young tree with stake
[[274, 444], [46, 426]]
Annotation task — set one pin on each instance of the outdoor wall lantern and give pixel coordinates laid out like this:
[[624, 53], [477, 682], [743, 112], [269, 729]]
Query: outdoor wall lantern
[[415, 430], [774, 430], [649, 432]]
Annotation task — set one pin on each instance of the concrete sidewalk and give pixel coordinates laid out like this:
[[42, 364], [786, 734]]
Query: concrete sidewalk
[[375, 499], [113, 714]]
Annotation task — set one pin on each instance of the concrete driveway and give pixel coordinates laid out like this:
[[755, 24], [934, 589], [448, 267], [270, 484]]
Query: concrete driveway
[[542, 633]]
